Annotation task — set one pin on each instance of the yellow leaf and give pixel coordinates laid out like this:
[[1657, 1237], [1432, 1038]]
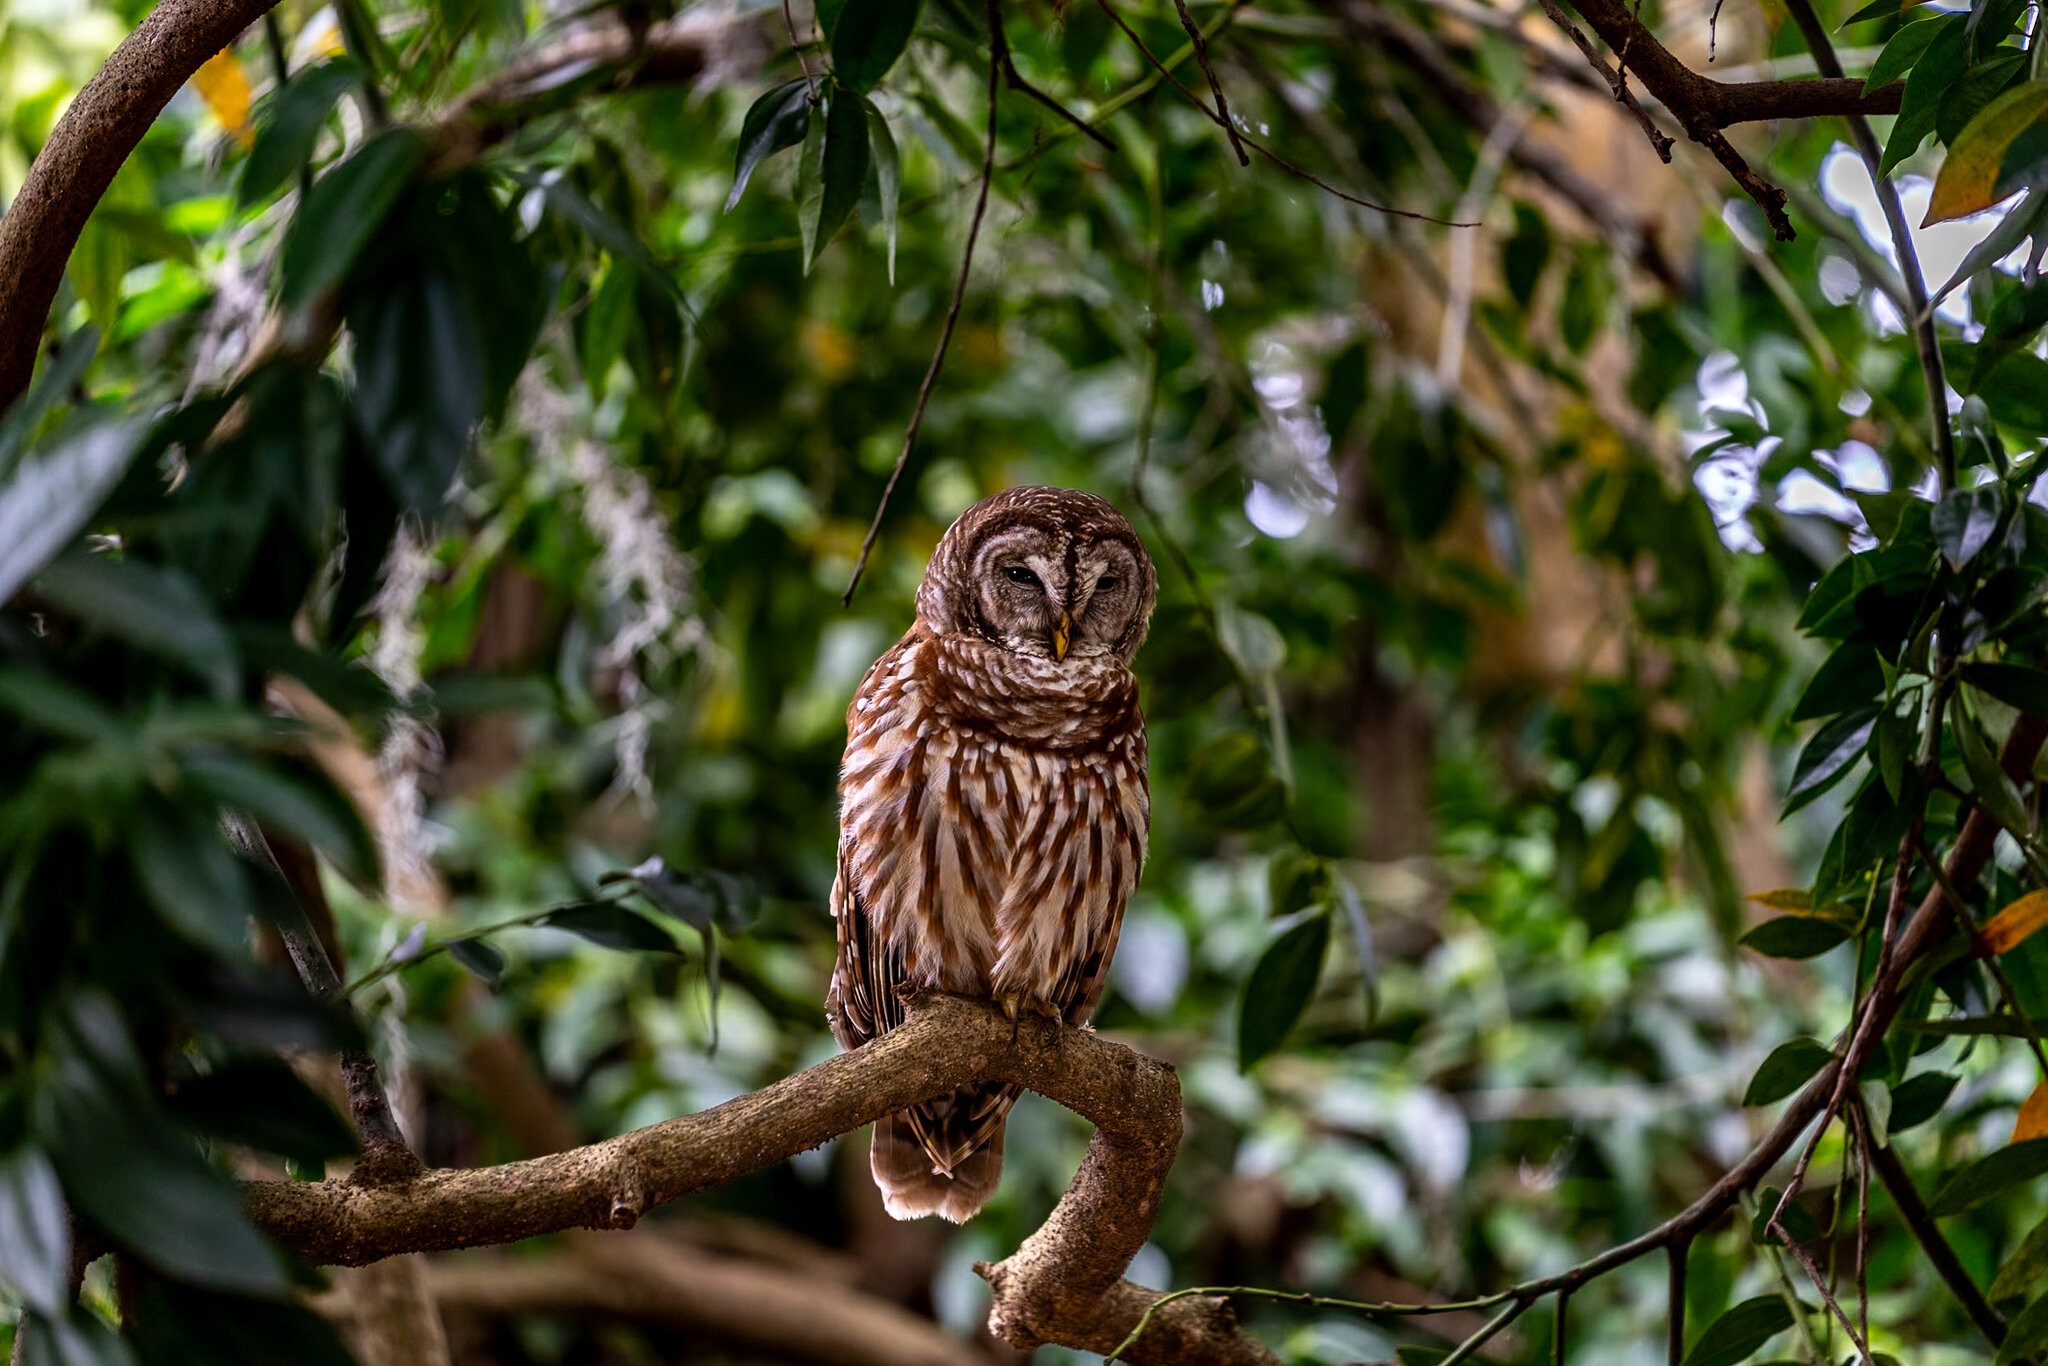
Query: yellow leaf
[[2002, 931], [1973, 177], [2033, 1120], [224, 86], [1785, 899]]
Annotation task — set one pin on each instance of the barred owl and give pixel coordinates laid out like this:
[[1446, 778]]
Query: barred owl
[[993, 809]]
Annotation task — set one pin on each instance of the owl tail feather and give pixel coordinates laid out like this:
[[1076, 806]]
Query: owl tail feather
[[944, 1157]]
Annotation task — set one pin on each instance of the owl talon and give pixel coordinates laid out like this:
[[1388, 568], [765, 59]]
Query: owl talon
[[1010, 1003]]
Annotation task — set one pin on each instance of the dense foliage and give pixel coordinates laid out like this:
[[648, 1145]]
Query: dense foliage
[[450, 459]]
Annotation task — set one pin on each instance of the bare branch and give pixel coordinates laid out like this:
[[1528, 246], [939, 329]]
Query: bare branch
[[999, 58], [1064, 1285]]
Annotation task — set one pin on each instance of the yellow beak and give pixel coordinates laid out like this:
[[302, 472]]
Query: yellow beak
[[1061, 634]]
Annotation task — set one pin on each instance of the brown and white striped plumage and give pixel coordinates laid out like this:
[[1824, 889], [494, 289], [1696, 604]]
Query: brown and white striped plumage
[[993, 810]]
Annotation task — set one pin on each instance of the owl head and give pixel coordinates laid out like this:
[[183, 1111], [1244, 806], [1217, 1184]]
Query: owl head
[[1051, 573]]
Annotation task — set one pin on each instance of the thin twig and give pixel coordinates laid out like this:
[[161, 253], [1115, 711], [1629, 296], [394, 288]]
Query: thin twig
[[386, 1159], [1827, 1296], [1201, 44], [1000, 44], [796, 46], [931, 374], [1659, 139], [1940, 1255], [1298, 172], [1920, 317]]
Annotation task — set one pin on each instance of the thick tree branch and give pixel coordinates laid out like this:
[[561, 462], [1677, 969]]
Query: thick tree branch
[[75, 167], [1064, 1285]]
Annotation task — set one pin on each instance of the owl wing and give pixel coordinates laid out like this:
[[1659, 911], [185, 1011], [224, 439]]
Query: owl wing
[[863, 1000]]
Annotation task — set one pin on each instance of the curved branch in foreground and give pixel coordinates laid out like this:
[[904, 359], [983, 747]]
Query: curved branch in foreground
[[1064, 1285], [97, 133]]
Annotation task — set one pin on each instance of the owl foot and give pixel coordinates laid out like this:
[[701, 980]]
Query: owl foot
[[1011, 1003]]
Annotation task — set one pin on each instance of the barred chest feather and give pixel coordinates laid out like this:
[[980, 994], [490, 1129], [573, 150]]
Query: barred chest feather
[[994, 816]]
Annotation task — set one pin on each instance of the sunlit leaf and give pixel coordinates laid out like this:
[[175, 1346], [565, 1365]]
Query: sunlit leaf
[[224, 86], [1994, 155], [2013, 923]]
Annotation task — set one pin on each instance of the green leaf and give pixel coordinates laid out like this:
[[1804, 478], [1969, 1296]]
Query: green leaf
[[2026, 1335], [1940, 66], [869, 37], [829, 12], [1882, 9], [129, 1172], [1967, 97], [35, 1231], [1829, 755], [54, 706], [420, 383], [1790, 1066], [1918, 1099], [1741, 1331], [2024, 1269], [151, 607], [774, 122], [1279, 989], [1964, 521], [1990, 1176], [482, 958], [1295, 881], [195, 881], [830, 182], [2016, 391], [285, 138], [1877, 1110], [1993, 789], [1897, 734], [611, 925], [48, 498], [1850, 677], [1901, 51], [618, 239], [346, 208], [888, 175], [2014, 684], [260, 1103], [1800, 1225], [281, 798], [1794, 936]]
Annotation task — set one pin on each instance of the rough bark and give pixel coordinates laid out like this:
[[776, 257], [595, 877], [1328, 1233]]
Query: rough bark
[[1064, 1285], [75, 167]]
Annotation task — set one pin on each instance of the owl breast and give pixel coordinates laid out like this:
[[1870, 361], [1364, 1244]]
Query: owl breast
[[993, 820]]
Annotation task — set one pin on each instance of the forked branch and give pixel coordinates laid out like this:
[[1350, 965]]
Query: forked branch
[[1064, 1285]]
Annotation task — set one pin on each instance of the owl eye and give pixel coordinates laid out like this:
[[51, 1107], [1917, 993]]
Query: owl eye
[[1019, 574], [1107, 582]]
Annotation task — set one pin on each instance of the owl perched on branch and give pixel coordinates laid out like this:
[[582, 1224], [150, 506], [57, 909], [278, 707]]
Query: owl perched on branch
[[993, 810]]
